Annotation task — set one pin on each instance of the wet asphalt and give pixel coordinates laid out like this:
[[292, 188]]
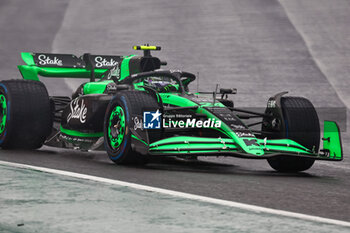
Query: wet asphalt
[[259, 47]]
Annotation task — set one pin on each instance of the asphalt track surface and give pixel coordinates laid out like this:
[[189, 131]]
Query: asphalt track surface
[[259, 47], [123, 203]]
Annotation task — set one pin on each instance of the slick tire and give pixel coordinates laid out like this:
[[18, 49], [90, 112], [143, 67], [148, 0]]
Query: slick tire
[[117, 124], [302, 125], [25, 114]]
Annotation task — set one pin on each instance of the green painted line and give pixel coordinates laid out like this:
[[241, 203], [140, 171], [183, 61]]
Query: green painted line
[[133, 136]]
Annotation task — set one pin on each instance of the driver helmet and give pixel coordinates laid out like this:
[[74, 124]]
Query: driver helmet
[[158, 83]]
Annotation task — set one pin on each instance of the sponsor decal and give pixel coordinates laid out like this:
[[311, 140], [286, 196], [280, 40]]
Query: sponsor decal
[[111, 87], [233, 122], [271, 103], [151, 120], [251, 142], [192, 123], [102, 62], [78, 110], [237, 127], [115, 71], [245, 133], [138, 123], [76, 139], [46, 60]]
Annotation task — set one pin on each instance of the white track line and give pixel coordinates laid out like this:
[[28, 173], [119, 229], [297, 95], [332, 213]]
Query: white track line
[[342, 166], [253, 208]]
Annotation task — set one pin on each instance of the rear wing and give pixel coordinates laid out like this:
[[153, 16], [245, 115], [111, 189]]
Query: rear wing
[[87, 65], [67, 65]]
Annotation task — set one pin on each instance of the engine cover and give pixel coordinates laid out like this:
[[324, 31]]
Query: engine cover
[[86, 113]]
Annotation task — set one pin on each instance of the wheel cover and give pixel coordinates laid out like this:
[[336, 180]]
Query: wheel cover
[[3, 113], [116, 127]]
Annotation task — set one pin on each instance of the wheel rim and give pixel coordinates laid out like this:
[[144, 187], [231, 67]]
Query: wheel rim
[[116, 127], [3, 113]]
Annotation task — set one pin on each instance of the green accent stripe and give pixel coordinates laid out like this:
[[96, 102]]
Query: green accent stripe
[[124, 67], [80, 134], [203, 151], [31, 72], [28, 58], [133, 136]]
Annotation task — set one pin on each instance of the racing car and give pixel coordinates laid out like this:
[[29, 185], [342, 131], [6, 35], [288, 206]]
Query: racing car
[[134, 110]]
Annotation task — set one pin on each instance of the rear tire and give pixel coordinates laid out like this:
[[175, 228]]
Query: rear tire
[[302, 125], [118, 121], [25, 113]]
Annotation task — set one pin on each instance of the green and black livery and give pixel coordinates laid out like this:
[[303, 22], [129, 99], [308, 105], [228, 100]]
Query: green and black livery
[[107, 113]]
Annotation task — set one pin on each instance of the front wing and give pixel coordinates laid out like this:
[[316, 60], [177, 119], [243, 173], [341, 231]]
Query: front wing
[[188, 145]]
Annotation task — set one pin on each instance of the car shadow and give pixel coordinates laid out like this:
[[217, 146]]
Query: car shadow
[[166, 164], [200, 166]]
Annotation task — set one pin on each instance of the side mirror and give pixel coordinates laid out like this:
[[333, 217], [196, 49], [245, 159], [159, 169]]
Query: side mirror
[[228, 91]]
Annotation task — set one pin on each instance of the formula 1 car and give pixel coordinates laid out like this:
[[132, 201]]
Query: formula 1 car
[[134, 110]]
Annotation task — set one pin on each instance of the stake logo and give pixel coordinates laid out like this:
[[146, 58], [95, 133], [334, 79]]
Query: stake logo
[[151, 120], [78, 111], [102, 62], [138, 124], [115, 71], [46, 60]]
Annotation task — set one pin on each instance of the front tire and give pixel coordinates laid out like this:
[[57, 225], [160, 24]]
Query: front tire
[[117, 124], [25, 114], [301, 125]]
